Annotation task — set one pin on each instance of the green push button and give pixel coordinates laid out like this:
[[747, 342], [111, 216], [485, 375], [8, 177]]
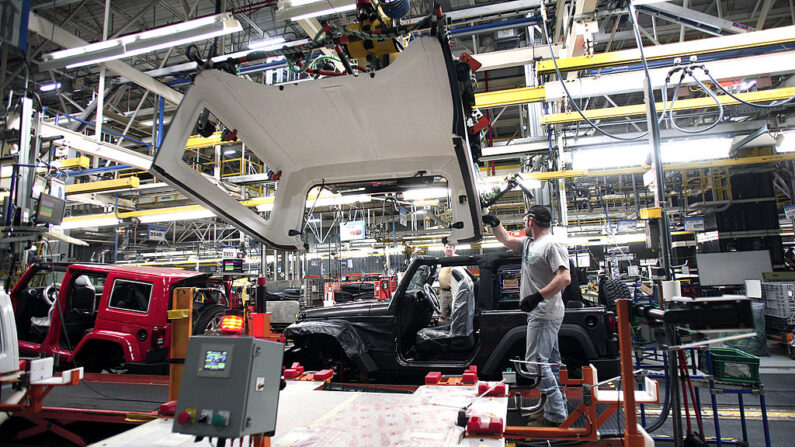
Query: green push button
[[219, 420]]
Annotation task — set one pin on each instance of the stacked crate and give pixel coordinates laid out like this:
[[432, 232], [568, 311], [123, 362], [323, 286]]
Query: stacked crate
[[779, 305]]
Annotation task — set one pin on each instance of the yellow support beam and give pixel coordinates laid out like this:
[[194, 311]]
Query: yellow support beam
[[554, 175], [71, 163], [103, 185], [197, 141], [509, 97], [682, 104], [757, 39]]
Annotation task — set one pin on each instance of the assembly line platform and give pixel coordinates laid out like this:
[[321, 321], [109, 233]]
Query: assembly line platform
[[310, 416], [111, 393]]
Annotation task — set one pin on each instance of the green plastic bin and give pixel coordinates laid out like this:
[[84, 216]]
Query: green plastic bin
[[732, 365]]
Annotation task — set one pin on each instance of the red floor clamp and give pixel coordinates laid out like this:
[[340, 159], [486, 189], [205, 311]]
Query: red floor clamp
[[492, 389], [484, 426], [433, 378], [294, 371], [470, 376]]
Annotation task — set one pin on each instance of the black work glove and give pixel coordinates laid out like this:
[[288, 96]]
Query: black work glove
[[490, 219], [530, 302]]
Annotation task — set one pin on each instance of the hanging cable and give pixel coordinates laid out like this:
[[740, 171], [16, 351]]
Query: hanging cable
[[396, 9], [760, 106], [687, 71], [568, 94]]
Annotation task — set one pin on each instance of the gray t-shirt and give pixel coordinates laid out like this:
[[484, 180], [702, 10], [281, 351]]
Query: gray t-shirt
[[540, 260]]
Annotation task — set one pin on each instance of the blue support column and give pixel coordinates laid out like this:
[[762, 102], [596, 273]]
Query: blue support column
[[160, 119], [742, 416], [765, 423], [714, 399]]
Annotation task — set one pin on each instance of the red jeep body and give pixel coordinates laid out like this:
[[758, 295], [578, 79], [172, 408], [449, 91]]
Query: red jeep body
[[125, 321]]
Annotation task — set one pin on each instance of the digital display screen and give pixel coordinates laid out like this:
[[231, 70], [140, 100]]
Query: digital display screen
[[232, 265], [50, 209], [353, 230], [216, 360]]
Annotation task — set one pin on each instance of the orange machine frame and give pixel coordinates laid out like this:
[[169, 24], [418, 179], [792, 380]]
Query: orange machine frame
[[634, 436]]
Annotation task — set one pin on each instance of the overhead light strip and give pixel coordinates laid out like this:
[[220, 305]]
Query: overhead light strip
[[147, 41]]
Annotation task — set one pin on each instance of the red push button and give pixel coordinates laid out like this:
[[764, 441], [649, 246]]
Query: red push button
[[183, 418]]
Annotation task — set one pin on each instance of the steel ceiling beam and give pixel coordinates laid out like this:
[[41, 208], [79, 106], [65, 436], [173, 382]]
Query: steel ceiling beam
[[134, 18], [692, 18], [766, 7]]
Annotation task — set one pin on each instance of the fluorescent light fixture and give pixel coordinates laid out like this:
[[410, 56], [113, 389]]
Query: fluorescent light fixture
[[50, 87], [429, 202], [424, 193], [785, 142], [95, 220], [229, 152], [338, 200], [266, 44], [610, 157], [331, 200], [595, 240], [673, 151], [294, 3], [324, 12], [682, 151], [145, 42], [171, 217]]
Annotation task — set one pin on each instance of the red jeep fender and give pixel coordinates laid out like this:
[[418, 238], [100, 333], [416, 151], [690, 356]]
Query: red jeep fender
[[129, 344]]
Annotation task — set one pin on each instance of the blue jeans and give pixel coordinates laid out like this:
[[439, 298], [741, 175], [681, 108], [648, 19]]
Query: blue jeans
[[542, 346]]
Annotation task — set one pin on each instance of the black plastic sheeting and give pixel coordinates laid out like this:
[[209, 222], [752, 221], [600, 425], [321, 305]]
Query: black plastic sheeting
[[342, 331], [286, 294], [377, 334]]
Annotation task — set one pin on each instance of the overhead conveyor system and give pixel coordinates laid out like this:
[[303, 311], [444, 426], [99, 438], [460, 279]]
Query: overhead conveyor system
[[618, 83], [756, 39], [722, 162], [682, 104]]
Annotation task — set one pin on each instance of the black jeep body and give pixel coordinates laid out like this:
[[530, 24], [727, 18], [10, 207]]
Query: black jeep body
[[385, 339]]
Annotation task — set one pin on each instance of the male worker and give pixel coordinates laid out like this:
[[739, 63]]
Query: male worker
[[445, 295], [545, 272]]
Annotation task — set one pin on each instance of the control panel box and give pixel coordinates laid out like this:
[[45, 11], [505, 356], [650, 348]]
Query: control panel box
[[230, 387]]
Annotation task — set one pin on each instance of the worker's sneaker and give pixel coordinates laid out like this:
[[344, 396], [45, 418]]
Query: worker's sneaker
[[542, 422]]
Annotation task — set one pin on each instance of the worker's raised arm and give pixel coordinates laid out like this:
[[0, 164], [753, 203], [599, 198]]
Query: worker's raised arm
[[510, 242]]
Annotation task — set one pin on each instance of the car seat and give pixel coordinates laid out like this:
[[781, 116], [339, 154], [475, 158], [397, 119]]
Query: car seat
[[84, 297], [79, 319], [458, 335]]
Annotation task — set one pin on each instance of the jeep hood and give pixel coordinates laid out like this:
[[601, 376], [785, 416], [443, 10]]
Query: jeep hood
[[388, 124]]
